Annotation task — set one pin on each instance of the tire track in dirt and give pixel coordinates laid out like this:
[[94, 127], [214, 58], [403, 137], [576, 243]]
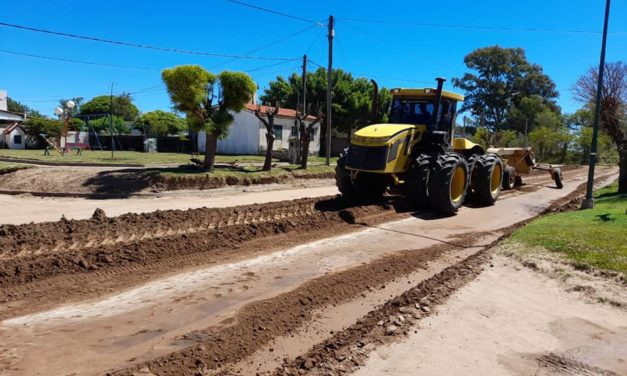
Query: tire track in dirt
[[258, 323]]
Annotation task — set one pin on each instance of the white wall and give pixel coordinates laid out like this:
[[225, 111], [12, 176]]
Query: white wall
[[3, 100], [9, 138], [247, 135], [83, 138]]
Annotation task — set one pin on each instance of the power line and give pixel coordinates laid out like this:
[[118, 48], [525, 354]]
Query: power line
[[276, 12], [283, 39], [474, 27], [77, 61], [145, 46]]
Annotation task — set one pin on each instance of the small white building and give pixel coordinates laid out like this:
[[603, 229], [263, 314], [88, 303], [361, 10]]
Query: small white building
[[247, 134], [12, 133], [13, 136]]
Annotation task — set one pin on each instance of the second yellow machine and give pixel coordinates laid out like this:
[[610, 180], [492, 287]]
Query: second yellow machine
[[417, 152]]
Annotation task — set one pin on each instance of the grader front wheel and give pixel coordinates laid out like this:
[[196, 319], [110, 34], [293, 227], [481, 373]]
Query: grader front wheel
[[448, 183], [487, 179]]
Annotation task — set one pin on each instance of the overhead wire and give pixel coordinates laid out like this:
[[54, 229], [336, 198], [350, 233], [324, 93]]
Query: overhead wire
[[77, 61], [144, 46], [275, 12]]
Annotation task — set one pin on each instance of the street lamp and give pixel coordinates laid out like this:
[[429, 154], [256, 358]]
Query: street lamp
[[65, 112]]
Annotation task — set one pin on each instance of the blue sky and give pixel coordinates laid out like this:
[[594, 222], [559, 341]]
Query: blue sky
[[395, 55]]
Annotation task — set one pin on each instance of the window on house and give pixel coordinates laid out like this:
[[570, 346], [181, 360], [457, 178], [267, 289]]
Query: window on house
[[278, 132], [293, 132], [17, 139]]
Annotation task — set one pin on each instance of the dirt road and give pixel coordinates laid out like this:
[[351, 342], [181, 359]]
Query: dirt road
[[236, 291], [555, 332], [26, 208]]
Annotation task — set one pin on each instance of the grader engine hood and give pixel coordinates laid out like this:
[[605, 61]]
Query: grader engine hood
[[381, 147]]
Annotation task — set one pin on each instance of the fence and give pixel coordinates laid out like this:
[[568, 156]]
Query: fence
[[165, 144]]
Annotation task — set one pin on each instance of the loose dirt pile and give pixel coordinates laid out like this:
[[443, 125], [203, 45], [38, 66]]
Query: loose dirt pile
[[47, 262], [102, 182]]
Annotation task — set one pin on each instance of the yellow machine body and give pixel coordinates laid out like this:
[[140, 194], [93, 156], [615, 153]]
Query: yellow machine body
[[397, 141]]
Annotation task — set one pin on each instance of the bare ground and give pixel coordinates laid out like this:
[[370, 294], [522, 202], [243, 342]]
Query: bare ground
[[257, 284]]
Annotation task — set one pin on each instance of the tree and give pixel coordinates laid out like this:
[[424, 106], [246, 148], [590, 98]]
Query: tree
[[613, 107], [20, 108], [122, 106], [161, 123], [503, 77], [191, 89], [352, 98], [305, 132], [34, 127], [266, 115]]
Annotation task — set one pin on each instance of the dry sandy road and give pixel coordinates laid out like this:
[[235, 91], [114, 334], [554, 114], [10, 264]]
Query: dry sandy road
[[136, 325], [25, 208]]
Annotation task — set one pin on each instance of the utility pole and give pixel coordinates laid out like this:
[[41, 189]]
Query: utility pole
[[111, 119], [304, 79], [329, 88], [588, 202]]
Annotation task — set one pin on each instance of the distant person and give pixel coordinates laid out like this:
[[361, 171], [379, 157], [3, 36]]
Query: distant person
[[424, 116]]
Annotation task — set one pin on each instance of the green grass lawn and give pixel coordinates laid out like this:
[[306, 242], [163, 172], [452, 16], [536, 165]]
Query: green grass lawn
[[8, 167], [594, 238], [123, 157]]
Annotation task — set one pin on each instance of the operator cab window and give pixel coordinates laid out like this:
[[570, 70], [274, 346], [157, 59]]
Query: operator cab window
[[412, 111]]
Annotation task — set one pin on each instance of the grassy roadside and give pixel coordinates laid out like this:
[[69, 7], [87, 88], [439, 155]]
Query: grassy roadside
[[6, 168], [590, 239], [121, 157]]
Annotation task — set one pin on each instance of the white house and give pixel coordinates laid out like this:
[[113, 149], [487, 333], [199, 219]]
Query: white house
[[247, 134], [13, 137], [12, 134]]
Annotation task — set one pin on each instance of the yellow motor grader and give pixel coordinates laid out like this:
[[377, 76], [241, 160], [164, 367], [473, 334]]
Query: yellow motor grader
[[417, 153]]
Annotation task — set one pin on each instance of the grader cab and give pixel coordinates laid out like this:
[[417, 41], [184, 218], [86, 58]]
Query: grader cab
[[416, 153]]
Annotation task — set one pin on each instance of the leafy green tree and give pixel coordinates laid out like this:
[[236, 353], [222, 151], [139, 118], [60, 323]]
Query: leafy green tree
[[35, 127], [122, 106], [580, 124], [352, 98], [161, 123], [503, 76], [613, 107], [20, 108], [101, 125], [191, 89]]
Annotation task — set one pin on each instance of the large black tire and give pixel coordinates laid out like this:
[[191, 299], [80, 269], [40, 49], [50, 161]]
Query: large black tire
[[509, 178], [448, 182], [343, 178], [557, 177], [417, 181], [487, 179]]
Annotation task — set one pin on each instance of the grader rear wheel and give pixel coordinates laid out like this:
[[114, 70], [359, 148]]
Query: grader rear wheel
[[509, 178], [448, 183], [487, 179]]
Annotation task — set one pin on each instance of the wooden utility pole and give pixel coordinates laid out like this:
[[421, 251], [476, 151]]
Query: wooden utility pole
[[329, 88]]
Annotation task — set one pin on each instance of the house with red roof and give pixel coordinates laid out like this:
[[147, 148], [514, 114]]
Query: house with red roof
[[247, 134], [12, 134]]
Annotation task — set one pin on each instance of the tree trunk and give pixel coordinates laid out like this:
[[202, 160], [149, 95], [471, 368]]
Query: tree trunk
[[305, 155], [622, 165], [211, 147], [267, 164]]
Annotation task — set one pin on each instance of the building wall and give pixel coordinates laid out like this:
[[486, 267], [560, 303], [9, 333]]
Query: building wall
[[10, 139], [3, 100], [247, 135]]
